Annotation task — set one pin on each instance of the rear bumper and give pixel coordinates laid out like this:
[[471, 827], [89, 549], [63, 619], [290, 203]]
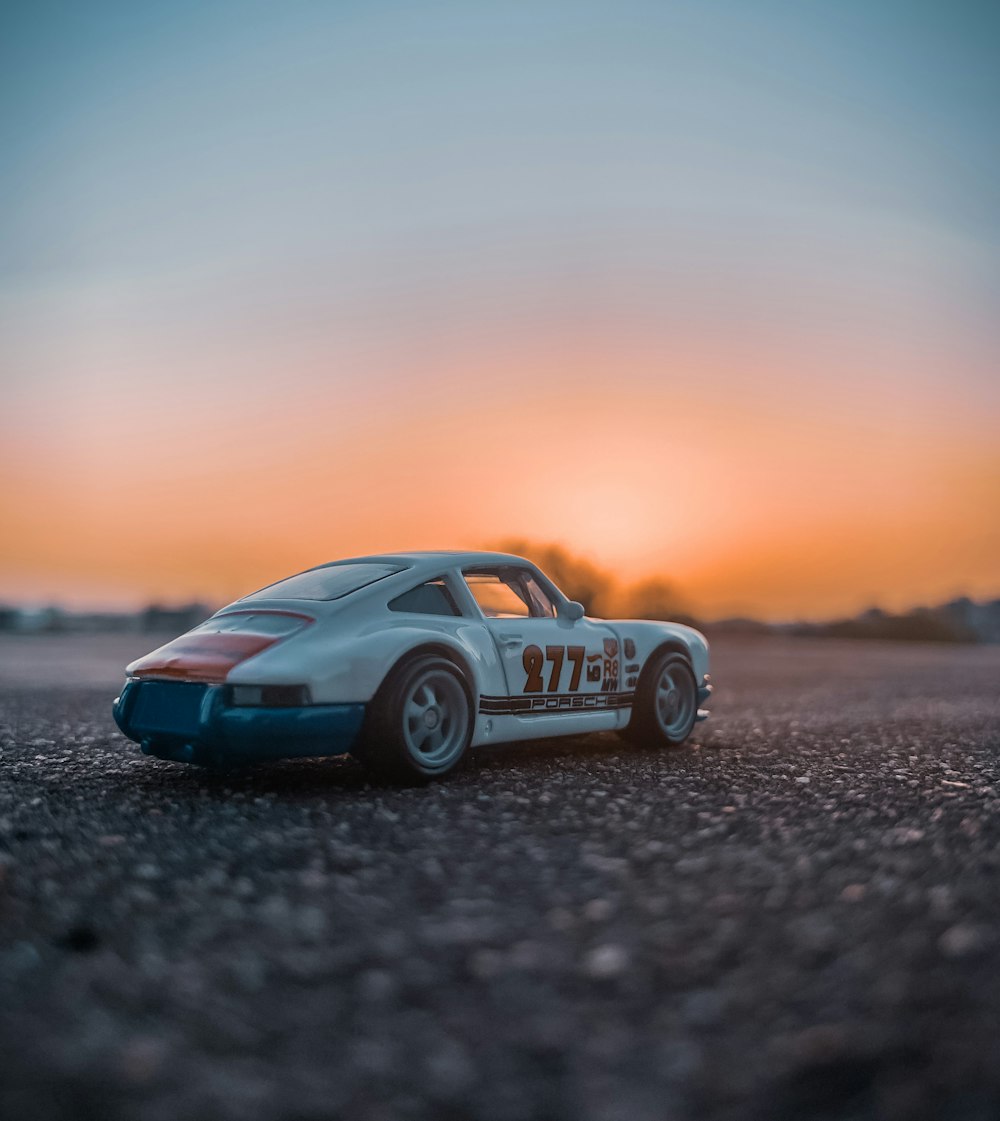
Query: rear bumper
[[195, 723]]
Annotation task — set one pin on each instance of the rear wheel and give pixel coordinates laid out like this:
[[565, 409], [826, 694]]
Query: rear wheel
[[420, 722], [666, 703]]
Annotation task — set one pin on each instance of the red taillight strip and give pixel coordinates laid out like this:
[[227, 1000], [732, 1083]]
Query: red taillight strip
[[201, 657], [207, 655]]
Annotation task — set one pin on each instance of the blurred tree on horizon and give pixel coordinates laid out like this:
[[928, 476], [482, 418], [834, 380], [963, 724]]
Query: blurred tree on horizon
[[598, 591], [654, 598]]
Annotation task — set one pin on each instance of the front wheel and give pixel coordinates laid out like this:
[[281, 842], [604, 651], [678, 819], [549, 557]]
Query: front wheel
[[420, 722], [666, 703]]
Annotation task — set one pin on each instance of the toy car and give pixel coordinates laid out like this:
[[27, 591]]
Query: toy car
[[406, 661]]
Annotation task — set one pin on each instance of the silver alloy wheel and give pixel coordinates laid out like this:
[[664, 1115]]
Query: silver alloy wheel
[[674, 701], [435, 719]]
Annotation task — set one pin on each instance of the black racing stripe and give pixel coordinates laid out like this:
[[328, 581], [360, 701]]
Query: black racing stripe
[[502, 697], [553, 704]]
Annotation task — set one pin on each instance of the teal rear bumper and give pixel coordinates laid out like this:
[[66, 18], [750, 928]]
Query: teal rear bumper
[[191, 722]]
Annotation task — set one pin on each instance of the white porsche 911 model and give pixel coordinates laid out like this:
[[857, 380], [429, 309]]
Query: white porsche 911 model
[[407, 660]]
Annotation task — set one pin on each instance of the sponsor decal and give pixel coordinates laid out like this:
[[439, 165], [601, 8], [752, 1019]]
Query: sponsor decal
[[630, 682], [629, 647], [555, 667], [545, 671], [633, 668]]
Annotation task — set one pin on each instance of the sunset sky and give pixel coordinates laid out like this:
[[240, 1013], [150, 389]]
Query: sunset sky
[[702, 290]]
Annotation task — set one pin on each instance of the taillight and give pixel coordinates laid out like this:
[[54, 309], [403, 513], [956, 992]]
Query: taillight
[[211, 650]]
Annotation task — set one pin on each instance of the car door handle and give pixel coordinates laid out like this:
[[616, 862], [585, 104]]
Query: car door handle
[[510, 641]]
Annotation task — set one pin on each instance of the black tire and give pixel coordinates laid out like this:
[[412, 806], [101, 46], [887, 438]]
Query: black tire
[[666, 702], [420, 722]]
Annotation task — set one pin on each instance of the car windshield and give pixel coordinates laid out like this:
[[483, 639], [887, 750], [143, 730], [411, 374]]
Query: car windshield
[[331, 582]]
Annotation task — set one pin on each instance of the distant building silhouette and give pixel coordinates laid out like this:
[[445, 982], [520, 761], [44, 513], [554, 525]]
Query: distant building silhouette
[[156, 617]]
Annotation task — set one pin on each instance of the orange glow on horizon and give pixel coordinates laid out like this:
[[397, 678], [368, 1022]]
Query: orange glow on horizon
[[751, 494]]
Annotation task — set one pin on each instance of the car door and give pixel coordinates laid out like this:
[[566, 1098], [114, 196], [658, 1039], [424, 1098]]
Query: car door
[[562, 677]]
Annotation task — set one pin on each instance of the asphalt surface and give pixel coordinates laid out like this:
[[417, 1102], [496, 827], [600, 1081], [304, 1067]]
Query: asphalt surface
[[796, 916]]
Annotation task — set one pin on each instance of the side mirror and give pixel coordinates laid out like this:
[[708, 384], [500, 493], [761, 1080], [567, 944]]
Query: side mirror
[[572, 611]]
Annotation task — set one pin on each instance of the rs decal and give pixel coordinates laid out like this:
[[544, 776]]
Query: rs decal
[[610, 683], [533, 662]]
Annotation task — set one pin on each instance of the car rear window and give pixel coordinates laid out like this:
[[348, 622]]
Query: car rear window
[[432, 598], [332, 582]]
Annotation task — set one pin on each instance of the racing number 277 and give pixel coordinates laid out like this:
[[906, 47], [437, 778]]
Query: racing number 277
[[534, 661]]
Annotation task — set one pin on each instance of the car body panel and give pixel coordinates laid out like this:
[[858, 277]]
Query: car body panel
[[551, 687]]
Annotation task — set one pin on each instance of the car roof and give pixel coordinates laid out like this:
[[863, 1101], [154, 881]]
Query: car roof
[[433, 558], [419, 564]]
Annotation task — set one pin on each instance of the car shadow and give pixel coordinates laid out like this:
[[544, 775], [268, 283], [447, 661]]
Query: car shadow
[[344, 777]]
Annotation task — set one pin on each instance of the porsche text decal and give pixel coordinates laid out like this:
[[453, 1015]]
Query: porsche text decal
[[550, 704]]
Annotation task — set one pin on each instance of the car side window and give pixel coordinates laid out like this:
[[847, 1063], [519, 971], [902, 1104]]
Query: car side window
[[509, 593], [432, 598], [498, 597], [541, 604]]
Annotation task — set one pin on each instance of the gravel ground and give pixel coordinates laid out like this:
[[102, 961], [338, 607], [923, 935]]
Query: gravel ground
[[796, 916]]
